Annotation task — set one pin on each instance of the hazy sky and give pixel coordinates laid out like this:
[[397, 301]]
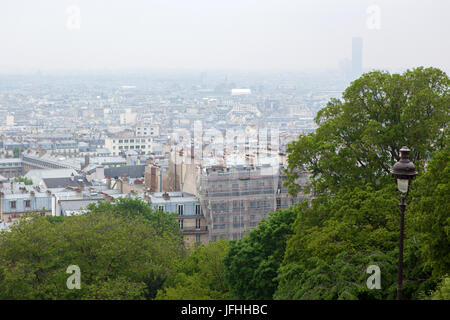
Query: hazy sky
[[225, 34]]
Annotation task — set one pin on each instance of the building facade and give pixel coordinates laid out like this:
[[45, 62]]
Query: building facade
[[190, 214], [17, 200], [235, 199]]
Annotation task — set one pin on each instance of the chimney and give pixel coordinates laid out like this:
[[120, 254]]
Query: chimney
[[120, 185], [86, 160], [72, 177], [108, 182]]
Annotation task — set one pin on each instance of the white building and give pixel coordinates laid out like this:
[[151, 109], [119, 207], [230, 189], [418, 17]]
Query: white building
[[117, 145]]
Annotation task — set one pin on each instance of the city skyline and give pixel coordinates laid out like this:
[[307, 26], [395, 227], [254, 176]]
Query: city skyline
[[246, 35]]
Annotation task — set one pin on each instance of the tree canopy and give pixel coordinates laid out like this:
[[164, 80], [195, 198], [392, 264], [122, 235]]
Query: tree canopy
[[252, 263], [201, 276], [359, 137], [352, 220], [120, 257]]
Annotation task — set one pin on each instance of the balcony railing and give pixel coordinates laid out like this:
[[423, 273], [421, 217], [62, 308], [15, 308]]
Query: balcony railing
[[195, 229]]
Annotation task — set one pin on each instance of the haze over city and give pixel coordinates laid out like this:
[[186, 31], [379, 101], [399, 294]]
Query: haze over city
[[248, 150], [53, 35]]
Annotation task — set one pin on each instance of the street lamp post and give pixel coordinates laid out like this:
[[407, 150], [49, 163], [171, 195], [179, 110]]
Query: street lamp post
[[404, 171]]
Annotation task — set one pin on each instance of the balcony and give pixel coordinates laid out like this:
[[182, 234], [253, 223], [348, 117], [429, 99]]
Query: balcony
[[191, 230]]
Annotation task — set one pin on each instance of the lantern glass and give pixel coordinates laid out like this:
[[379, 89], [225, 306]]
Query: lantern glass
[[402, 185]]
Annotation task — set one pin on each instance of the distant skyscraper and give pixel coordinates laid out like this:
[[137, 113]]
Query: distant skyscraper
[[357, 44]]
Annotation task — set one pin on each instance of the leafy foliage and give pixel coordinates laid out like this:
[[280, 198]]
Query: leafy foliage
[[252, 262], [200, 276], [352, 221], [163, 222], [443, 290], [359, 138], [430, 214], [24, 180], [120, 257]]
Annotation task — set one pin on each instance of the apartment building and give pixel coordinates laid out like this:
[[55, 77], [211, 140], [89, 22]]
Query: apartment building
[[16, 199], [190, 214], [235, 199], [119, 145], [10, 168]]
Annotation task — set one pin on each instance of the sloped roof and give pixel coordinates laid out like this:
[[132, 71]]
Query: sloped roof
[[63, 182], [131, 171]]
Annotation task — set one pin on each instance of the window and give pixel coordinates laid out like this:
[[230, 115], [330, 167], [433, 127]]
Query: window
[[12, 204], [197, 223], [181, 224], [161, 208], [126, 141], [120, 141], [131, 140], [197, 238], [27, 203], [180, 209], [143, 147], [198, 210]]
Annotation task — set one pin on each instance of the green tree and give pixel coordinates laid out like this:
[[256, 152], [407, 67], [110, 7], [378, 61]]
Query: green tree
[[443, 290], [200, 276], [429, 215], [358, 138], [24, 180], [337, 237], [252, 263], [165, 223], [353, 220], [119, 257]]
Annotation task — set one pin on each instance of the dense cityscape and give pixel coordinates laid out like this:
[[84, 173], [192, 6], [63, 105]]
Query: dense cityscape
[[86, 130], [199, 152]]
